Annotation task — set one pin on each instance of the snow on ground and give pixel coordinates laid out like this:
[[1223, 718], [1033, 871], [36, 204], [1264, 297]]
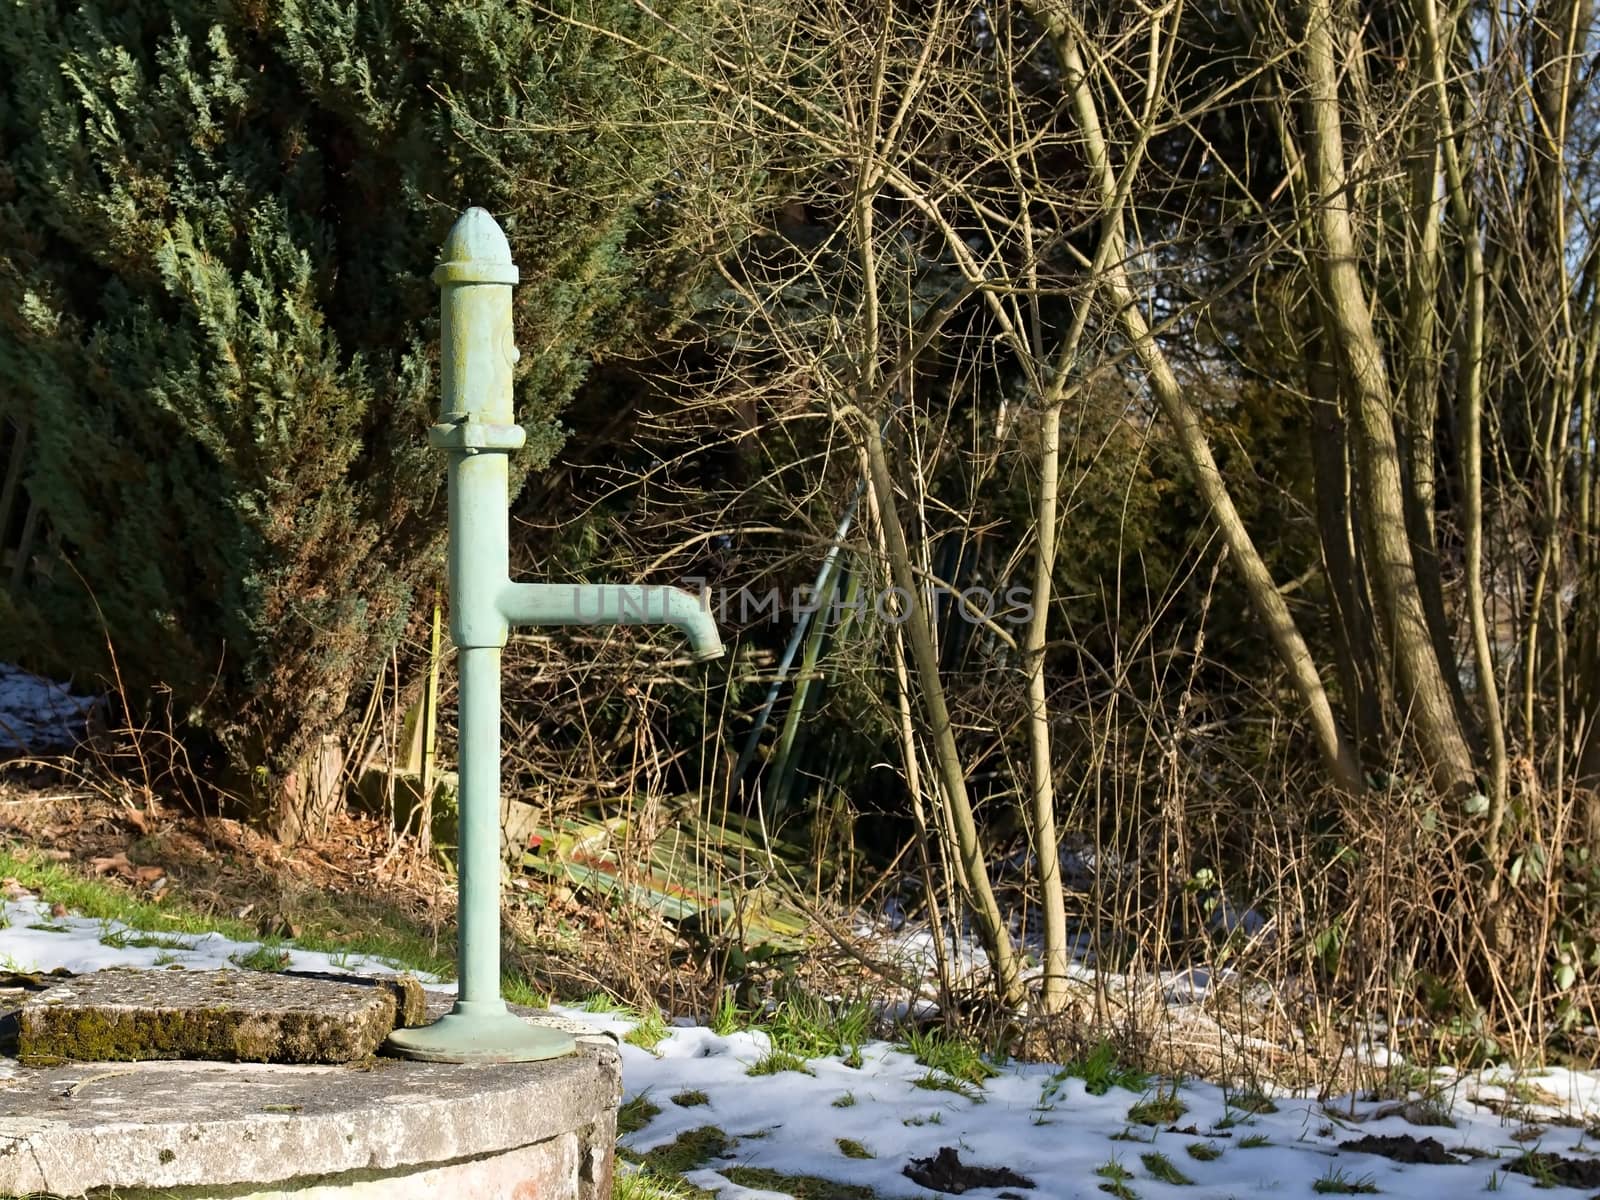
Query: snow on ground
[[1031, 1118], [37, 715], [1051, 1130]]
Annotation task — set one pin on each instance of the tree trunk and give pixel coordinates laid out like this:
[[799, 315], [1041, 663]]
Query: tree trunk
[[1042, 790], [1184, 421], [946, 754], [308, 798], [1361, 674], [1425, 692]]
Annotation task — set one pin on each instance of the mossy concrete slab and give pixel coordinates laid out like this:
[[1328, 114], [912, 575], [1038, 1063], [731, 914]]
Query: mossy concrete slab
[[224, 1016], [386, 1128], [410, 997]]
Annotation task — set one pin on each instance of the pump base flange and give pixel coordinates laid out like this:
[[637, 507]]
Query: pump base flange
[[480, 1033]]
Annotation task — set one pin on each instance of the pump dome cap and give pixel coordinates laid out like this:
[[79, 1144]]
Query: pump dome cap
[[476, 251]]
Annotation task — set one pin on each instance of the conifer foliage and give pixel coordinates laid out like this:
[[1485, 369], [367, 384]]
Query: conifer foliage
[[217, 221]]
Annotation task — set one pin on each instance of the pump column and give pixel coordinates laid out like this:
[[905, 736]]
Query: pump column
[[477, 428]]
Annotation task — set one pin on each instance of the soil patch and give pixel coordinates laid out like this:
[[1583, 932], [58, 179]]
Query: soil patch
[[945, 1172], [1402, 1148]]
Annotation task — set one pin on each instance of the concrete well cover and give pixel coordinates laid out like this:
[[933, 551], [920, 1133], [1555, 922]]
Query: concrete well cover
[[229, 1128]]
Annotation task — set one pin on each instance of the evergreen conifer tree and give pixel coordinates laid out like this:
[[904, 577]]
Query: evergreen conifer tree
[[217, 219]]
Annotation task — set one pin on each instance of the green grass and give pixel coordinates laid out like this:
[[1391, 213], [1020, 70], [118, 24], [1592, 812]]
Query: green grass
[[1116, 1178], [122, 939], [264, 957], [1161, 1109], [1337, 1182], [636, 1114], [649, 1033], [845, 1100], [1100, 1070], [1251, 1100], [1254, 1141], [956, 1057], [645, 1184], [517, 990], [1162, 1168], [938, 1081], [649, 1029], [1537, 1168], [376, 936], [1431, 1110], [1204, 1151], [726, 1018], [810, 1027], [691, 1099], [689, 1151], [801, 1187], [851, 1148], [775, 1062]]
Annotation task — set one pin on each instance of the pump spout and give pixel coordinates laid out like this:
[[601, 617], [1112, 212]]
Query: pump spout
[[613, 604]]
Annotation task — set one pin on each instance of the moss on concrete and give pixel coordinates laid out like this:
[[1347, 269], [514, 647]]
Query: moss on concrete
[[115, 1018], [411, 1002], [220, 1035]]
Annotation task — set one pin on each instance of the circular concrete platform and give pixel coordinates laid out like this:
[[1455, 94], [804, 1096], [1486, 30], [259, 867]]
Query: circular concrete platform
[[386, 1128]]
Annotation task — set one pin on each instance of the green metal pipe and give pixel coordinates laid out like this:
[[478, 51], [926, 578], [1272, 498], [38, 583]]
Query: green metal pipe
[[477, 429], [478, 873], [613, 604]]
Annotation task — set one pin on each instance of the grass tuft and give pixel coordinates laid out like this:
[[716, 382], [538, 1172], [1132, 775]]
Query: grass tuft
[[726, 1018], [1251, 1100], [650, 1031], [1116, 1178], [689, 1151], [645, 1184], [636, 1114], [801, 1187], [141, 939], [956, 1057], [265, 957], [1161, 1167], [809, 1027], [938, 1081], [775, 1062], [517, 990], [1161, 1109], [1101, 1070], [1337, 1182]]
